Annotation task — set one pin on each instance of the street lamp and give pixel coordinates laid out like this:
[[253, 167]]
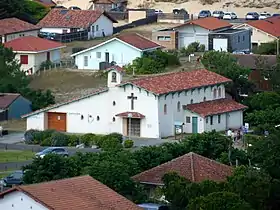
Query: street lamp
[[129, 124]]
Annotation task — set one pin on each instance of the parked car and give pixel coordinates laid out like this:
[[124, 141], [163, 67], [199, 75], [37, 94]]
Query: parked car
[[218, 14], [52, 150], [264, 15], [276, 15], [15, 178], [204, 13], [157, 11], [229, 16], [252, 16], [74, 8]]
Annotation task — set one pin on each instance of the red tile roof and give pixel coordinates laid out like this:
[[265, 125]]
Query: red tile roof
[[194, 167], [72, 18], [133, 115], [82, 192], [116, 67], [178, 81], [6, 99], [138, 41], [218, 106], [32, 44], [209, 23], [14, 25], [269, 25]]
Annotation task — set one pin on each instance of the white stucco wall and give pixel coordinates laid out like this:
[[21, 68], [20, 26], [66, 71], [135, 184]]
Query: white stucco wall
[[31, 61], [102, 24], [119, 52], [10, 37], [19, 201], [187, 128], [102, 105], [167, 120], [55, 30]]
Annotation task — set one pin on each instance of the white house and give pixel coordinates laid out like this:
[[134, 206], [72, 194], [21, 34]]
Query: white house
[[146, 107], [63, 21], [12, 28], [82, 192], [32, 51], [263, 31], [198, 30], [121, 50]]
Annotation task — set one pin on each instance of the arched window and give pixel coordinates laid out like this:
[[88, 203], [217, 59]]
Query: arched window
[[97, 118], [178, 106], [114, 103], [220, 92], [204, 99], [215, 93], [192, 101], [114, 77], [165, 109]]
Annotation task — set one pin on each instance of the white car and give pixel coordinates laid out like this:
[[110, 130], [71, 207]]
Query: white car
[[229, 16], [157, 11], [264, 15], [218, 14]]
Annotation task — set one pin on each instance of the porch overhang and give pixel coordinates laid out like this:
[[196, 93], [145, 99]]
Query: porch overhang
[[131, 115]]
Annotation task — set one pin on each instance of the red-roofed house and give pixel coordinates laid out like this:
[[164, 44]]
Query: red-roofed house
[[213, 33], [144, 107], [75, 193], [12, 28], [263, 31], [32, 51], [121, 50], [63, 21], [191, 166]]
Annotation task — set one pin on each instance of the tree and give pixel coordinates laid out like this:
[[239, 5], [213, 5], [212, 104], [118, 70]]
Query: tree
[[224, 64], [269, 48], [219, 201], [51, 167], [14, 80]]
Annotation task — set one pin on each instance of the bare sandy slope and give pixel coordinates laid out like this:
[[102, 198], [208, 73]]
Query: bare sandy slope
[[193, 7]]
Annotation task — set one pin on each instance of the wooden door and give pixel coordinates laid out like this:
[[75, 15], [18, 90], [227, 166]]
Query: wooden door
[[48, 56], [57, 121], [133, 127]]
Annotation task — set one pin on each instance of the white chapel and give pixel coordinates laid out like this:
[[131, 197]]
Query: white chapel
[[148, 107]]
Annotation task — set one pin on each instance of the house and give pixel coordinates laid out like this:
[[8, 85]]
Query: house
[[212, 32], [121, 50], [263, 31], [46, 3], [13, 106], [256, 63], [191, 166], [32, 51], [138, 14], [230, 40], [108, 5], [81, 192], [63, 21], [146, 107], [12, 28]]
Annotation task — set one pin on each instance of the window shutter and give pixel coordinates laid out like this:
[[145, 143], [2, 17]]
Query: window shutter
[[24, 59]]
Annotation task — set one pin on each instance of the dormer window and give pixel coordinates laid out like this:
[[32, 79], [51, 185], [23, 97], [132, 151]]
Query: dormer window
[[114, 77]]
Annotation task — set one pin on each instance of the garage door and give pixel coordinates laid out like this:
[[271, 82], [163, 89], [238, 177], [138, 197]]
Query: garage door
[[57, 121], [202, 39], [220, 44], [185, 39]]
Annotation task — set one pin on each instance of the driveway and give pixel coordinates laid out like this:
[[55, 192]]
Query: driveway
[[12, 138]]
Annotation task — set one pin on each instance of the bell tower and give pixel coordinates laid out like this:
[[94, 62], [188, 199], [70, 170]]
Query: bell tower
[[115, 74]]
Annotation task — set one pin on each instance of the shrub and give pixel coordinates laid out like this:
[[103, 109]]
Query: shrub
[[110, 144], [36, 136], [46, 142], [73, 141], [201, 48], [29, 136], [88, 139], [59, 139], [128, 143], [115, 135], [46, 65]]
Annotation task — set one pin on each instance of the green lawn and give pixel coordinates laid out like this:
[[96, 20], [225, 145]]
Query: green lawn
[[15, 155]]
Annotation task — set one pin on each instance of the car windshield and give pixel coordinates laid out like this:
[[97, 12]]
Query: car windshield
[[48, 150], [216, 12], [227, 13], [16, 175], [250, 13], [203, 12]]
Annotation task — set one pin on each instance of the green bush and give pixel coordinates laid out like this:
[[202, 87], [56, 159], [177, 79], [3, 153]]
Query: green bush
[[59, 139], [128, 143], [29, 136], [201, 48], [73, 141], [46, 65], [110, 144], [88, 139], [115, 135], [46, 142]]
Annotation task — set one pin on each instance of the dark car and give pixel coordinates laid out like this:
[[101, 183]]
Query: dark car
[[252, 16], [53, 150], [204, 13], [276, 15], [74, 8], [14, 178], [59, 7]]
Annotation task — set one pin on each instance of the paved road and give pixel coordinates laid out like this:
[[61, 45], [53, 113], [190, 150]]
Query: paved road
[[12, 138]]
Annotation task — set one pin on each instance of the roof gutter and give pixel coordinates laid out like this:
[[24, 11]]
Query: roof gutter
[[35, 52]]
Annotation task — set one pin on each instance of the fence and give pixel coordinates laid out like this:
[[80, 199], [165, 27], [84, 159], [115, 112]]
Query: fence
[[118, 15], [172, 16], [140, 22], [67, 37]]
